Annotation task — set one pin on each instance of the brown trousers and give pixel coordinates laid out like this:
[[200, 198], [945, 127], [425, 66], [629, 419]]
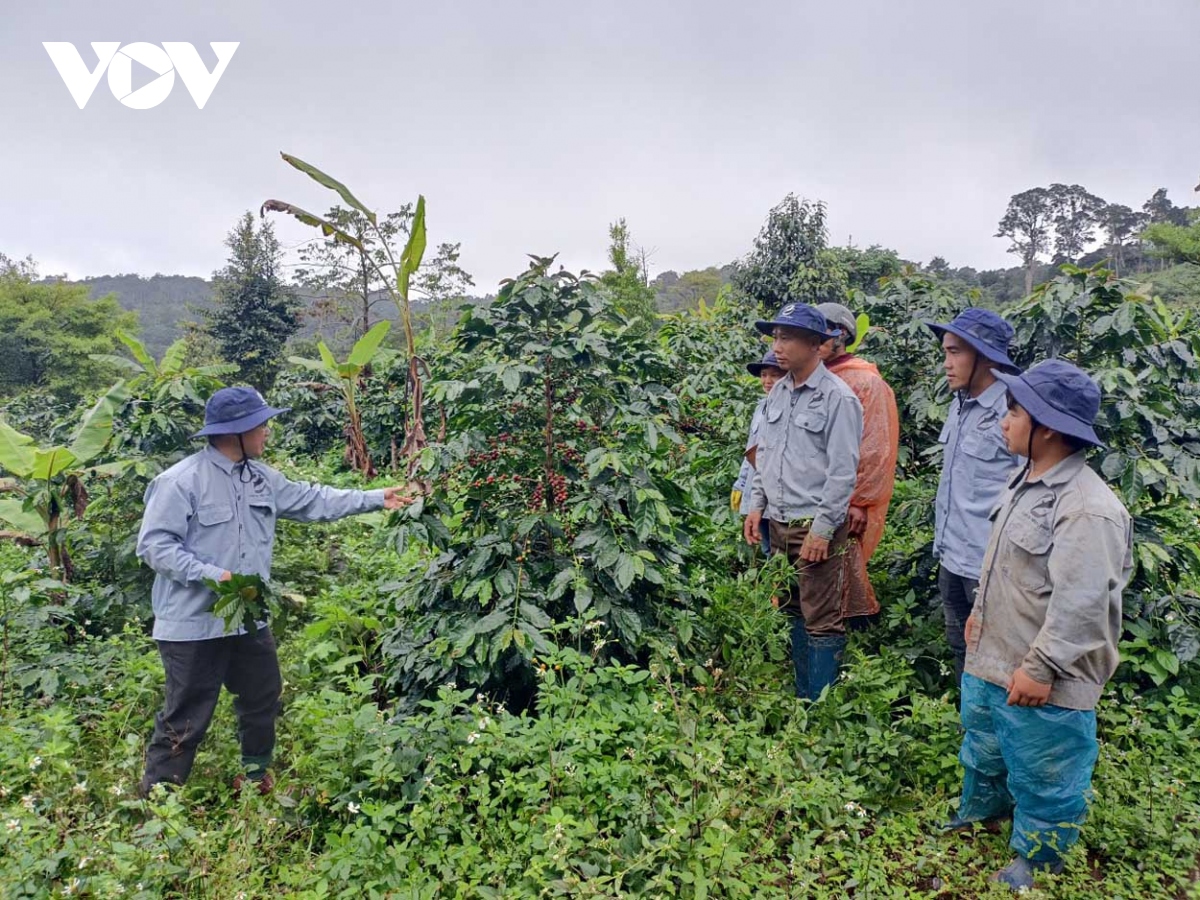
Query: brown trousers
[[827, 593]]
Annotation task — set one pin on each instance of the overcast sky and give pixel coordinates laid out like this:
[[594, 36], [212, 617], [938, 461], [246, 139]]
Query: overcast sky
[[530, 126]]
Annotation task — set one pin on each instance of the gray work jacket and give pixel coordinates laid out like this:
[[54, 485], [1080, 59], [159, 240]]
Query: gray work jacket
[[1049, 601], [807, 454], [202, 520]]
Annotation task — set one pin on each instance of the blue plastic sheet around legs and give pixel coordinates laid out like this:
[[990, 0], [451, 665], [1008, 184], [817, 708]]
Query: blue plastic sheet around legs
[[1035, 761]]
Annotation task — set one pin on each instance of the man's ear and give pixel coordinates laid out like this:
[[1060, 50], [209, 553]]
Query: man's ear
[[1049, 435]]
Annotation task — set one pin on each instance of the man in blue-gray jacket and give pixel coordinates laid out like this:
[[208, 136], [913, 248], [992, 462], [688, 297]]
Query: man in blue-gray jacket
[[207, 517], [976, 463]]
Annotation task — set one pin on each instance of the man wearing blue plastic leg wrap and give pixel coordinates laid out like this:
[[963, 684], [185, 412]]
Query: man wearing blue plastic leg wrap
[[1042, 637]]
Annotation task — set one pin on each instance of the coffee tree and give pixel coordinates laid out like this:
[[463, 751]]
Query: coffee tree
[[554, 498], [1143, 354], [909, 355]]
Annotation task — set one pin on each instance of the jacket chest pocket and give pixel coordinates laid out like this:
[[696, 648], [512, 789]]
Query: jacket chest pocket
[[770, 428], [1028, 563], [984, 443], [211, 532], [809, 425], [261, 520]]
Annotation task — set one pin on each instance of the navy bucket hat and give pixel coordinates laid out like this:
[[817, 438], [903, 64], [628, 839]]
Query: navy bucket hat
[[987, 333], [797, 315], [1058, 395], [768, 362], [235, 410]]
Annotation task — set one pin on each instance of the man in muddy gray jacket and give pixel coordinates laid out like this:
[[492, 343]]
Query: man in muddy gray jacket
[[1042, 638]]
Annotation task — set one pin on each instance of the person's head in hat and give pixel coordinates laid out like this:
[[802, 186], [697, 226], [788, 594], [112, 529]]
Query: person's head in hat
[[767, 370], [974, 343], [844, 325], [798, 330], [1052, 410], [235, 422]]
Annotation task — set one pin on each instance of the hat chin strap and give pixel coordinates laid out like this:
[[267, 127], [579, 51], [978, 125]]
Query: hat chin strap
[[244, 476], [965, 394]]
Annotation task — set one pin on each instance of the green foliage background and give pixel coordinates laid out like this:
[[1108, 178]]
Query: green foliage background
[[560, 674]]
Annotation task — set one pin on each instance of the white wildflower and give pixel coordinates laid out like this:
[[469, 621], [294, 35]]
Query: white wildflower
[[80, 788], [116, 790], [34, 763], [13, 826], [353, 808], [27, 801], [71, 887], [3, 791], [83, 863], [472, 737]]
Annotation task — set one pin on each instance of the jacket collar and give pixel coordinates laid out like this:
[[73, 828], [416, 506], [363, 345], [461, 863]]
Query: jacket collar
[[811, 381], [994, 394], [219, 459], [1062, 472]]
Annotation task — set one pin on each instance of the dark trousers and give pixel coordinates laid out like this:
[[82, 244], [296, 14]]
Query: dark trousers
[[819, 593], [958, 599], [196, 670]]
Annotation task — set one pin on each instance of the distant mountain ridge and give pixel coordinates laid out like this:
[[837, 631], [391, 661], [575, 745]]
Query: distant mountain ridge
[[162, 302]]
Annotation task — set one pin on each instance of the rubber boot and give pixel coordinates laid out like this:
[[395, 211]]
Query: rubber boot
[[800, 655], [1018, 874], [824, 659]]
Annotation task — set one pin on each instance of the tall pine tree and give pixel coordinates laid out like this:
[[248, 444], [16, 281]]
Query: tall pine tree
[[256, 311]]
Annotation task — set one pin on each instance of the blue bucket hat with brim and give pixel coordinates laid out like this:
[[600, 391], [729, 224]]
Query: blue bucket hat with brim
[[1058, 395], [768, 362], [236, 410], [987, 333], [797, 315]]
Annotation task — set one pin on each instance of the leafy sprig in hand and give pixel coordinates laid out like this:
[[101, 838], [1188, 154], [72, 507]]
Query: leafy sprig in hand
[[242, 600]]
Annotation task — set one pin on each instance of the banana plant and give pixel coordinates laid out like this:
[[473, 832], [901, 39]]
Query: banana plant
[[49, 480], [402, 270], [345, 375]]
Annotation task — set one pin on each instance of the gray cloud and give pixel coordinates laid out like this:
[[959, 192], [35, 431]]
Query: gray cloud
[[530, 126]]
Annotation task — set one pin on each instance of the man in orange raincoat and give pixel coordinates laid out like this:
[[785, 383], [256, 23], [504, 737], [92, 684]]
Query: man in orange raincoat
[[877, 455]]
